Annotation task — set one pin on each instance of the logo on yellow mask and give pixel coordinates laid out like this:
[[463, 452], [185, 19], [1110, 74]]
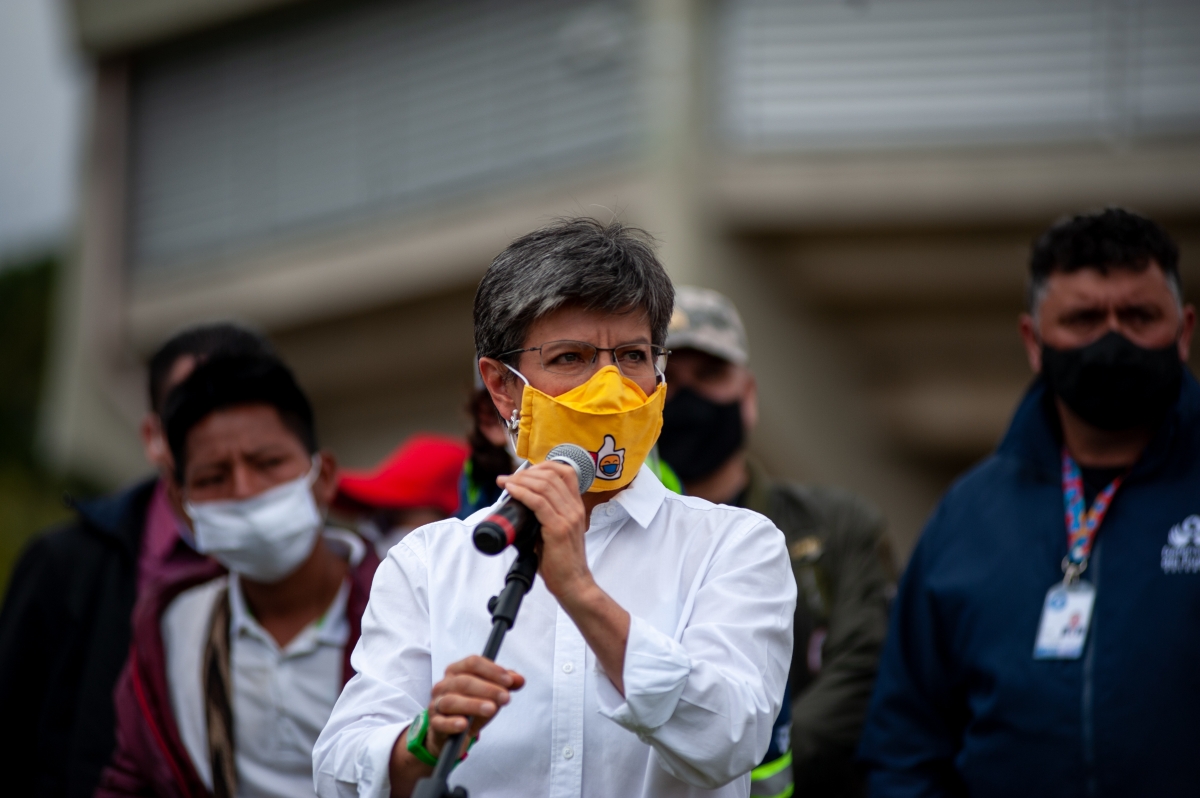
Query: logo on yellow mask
[[610, 461], [606, 409]]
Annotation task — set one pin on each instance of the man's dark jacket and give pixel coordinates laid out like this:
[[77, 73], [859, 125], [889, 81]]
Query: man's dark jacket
[[844, 577], [961, 707], [64, 635]]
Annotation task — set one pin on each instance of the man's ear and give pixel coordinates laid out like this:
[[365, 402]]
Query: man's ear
[[175, 496], [325, 488], [1033, 345], [503, 388], [154, 443], [1185, 337], [749, 402]]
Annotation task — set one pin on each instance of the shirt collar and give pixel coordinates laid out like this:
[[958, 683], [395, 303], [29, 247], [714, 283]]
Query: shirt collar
[[345, 544], [643, 497], [756, 495], [330, 629], [240, 619]]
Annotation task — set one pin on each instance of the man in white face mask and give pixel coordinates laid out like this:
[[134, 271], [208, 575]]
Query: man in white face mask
[[64, 623], [230, 680]]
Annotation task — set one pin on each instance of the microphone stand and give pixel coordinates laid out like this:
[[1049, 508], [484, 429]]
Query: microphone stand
[[504, 614]]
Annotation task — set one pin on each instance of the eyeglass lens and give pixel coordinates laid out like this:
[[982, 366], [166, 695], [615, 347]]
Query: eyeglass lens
[[576, 357]]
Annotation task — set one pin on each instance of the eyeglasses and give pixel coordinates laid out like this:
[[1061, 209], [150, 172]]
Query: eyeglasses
[[576, 358]]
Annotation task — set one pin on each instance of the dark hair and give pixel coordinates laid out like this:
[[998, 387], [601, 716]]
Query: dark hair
[[488, 460], [1113, 238], [231, 381], [610, 268], [201, 342]]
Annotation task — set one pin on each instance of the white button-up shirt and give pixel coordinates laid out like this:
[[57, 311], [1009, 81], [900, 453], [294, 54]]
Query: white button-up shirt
[[711, 595], [281, 696]]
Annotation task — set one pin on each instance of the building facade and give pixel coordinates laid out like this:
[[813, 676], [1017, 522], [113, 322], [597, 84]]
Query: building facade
[[863, 178]]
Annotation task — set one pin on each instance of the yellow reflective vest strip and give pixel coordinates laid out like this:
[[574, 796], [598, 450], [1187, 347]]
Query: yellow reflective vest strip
[[664, 473], [773, 779]]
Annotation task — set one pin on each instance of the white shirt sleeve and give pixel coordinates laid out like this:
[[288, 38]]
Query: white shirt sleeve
[[705, 700], [389, 689]]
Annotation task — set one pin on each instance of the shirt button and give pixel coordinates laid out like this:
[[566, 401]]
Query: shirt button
[[568, 752], [568, 667]]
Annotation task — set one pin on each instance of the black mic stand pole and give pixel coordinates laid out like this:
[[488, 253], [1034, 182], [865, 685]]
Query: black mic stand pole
[[504, 614]]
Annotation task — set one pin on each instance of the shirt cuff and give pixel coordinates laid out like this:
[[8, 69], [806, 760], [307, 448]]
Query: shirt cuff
[[374, 763], [656, 671]]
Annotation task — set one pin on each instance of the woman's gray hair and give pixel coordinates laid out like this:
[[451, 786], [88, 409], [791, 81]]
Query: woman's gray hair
[[610, 268]]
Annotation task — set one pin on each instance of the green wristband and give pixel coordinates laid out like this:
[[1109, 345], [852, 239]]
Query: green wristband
[[416, 739]]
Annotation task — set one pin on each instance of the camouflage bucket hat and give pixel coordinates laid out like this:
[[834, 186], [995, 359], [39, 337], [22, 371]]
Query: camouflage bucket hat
[[707, 321]]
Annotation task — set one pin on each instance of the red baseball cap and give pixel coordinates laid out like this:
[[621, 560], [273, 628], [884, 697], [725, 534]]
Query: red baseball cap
[[422, 472]]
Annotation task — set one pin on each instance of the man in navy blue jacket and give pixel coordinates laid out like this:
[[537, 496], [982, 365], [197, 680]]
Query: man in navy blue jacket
[[1109, 703]]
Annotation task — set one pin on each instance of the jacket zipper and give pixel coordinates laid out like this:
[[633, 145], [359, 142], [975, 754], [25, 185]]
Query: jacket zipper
[[1088, 698]]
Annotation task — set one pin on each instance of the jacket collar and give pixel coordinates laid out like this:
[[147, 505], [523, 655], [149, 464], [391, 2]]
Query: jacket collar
[[119, 517], [756, 495], [1035, 438]]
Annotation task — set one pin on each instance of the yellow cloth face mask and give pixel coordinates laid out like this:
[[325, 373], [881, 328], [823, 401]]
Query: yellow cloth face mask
[[609, 415]]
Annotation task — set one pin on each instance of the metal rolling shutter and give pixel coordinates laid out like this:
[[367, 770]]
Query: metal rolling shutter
[[832, 74], [300, 121]]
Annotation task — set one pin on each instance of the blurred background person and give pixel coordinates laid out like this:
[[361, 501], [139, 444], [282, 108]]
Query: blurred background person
[[1031, 657], [64, 627], [416, 485], [490, 454], [231, 678], [840, 558]]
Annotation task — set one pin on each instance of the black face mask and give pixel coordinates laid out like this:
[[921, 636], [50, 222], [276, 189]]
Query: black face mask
[[1113, 383], [699, 435]]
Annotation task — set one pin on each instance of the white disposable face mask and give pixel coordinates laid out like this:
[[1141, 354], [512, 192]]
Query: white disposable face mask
[[263, 538]]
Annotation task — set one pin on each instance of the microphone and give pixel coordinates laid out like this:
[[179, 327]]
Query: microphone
[[512, 522]]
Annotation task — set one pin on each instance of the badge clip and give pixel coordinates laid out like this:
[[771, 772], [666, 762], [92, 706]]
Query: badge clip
[[1072, 571]]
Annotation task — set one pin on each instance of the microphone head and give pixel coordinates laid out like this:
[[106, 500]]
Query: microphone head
[[577, 457]]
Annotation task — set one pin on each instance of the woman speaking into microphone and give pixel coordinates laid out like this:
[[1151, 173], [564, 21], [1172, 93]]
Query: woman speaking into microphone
[[650, 655]]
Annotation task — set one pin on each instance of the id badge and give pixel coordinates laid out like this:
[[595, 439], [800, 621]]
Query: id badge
[[1065, 619]]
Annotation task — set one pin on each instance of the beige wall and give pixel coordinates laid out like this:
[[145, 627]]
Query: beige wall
[[378, 377]]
